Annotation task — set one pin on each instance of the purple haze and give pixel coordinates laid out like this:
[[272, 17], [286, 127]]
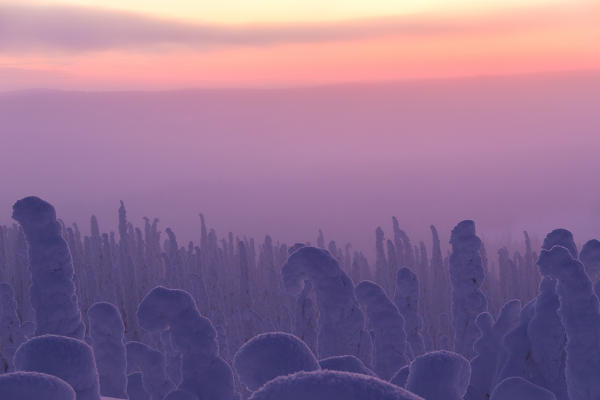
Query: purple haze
[[512, 153]]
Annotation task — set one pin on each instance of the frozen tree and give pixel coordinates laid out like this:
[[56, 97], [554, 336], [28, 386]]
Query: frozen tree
[[305, 326], [181, 395], [590, 257], [466, 274], [151, 364], [330, 385], [269, 355], [402, 241], [439, 375], [340, 318], [106, 332], [400, 377], [135, 387], [52, 291], [580, 316], [12, 333], [548, 340], [381, 264], [69, 359], [560, 237], [387, 329], [406, 299], [34, 386], [204, 373], [516, 359], [484, 366], [517, 388], [346, 364]]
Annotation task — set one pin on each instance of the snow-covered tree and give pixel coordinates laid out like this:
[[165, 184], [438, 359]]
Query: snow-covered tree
[[439, 375], [340, 318], [269, 355], [66, 358], [106, 333], [52, 291], [204, 373], [34, 386], [330, 385], [387, 329], [466, 274]]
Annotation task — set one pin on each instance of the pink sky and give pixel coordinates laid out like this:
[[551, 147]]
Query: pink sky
[[515, 150], [78, 45]]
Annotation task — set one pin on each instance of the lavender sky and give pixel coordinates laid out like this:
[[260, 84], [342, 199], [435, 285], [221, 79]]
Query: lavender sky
[[512, 152], [282, 117]]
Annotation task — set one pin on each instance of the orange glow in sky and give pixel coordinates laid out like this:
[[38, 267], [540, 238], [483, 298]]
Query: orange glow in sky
[[442, 41]]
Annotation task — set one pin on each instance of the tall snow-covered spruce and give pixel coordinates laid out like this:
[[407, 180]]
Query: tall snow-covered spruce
[[580, 316], [466, 275], [52, 291], [406, 298], [387, 329], [204, 372], [439, 375], [69, 359], [106, 333], [340, 318]]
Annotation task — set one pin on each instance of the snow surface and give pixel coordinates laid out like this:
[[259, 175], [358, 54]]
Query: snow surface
[[439, 375], [331, 385], [269, 355], [34, 386], [67, 358]]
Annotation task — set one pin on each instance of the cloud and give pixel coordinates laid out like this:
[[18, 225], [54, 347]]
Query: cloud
[[31, 28]]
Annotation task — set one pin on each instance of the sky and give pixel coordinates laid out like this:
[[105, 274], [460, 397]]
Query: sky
[[283, 117], [135, 44]]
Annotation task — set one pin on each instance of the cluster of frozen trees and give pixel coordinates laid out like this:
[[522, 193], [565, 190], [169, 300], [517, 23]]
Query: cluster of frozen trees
[[136, 315]]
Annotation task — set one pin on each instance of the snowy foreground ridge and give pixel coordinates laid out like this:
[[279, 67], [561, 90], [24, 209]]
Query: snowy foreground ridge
[[134, 315]]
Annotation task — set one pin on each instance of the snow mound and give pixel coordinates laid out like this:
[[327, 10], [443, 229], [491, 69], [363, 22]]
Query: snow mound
[[34, 386], [269, 355], [331, 385], [69, 359]]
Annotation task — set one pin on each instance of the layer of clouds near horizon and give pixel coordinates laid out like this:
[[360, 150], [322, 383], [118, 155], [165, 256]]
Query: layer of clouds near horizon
[[34, 28]]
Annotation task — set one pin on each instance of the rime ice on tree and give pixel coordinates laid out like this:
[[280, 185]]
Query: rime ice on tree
[[69, 359], [387, 329], [52, 291], [330, 385], [439, 375], [269, 355], [150, 363], [204, 373], [340, 318], [466, 274], [34, 386], [106, 332], [488, 347], [517, 388], [406, 299], [580, 316], [346, 364], [12, 333]]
